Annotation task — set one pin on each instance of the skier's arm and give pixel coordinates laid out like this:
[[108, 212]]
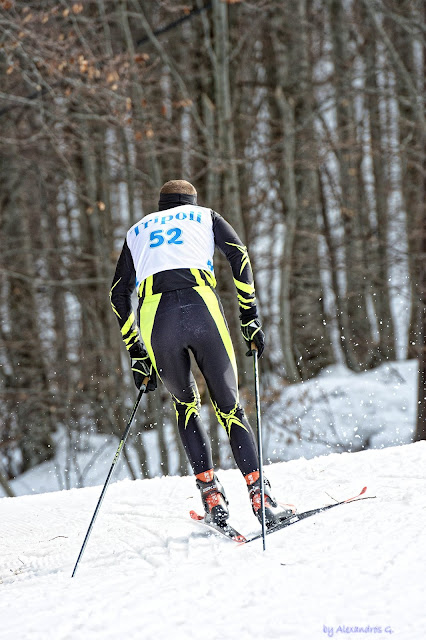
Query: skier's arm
[[121, 301], [228, 242], [122, 288]]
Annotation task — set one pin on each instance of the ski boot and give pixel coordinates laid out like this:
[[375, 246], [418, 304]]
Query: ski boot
[[273, 512], [214, 499]]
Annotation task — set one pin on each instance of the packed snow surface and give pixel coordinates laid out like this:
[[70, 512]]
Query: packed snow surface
[[149, 571]]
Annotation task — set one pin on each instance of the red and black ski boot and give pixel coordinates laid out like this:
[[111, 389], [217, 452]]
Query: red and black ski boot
[[214, 500], [273, 511]]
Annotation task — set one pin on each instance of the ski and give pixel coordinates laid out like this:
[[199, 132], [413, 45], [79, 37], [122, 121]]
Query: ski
[[226, 529], [286, 522]]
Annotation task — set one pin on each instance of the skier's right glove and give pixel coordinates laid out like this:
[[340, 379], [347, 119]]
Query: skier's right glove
[[252, 332], [142, 367]]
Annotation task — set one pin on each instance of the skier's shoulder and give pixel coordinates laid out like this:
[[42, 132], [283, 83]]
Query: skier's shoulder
[[216, 218]]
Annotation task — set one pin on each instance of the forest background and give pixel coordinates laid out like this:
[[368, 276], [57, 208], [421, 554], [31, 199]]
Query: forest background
[[300, 121]]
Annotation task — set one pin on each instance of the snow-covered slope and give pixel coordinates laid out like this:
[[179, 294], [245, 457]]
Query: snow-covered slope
[[151, 572]]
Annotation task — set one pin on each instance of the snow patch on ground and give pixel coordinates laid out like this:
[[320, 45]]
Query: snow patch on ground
[[343, 411], [149, 571]]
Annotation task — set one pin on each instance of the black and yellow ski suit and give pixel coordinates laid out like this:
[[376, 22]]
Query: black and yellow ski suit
[[179, 311]]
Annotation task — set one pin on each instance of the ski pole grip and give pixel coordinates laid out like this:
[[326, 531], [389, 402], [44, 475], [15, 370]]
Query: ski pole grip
[[253, 346], [145, 383]]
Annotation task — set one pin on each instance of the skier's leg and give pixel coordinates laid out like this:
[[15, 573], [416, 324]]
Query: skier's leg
[[214, 354], [161, 322]]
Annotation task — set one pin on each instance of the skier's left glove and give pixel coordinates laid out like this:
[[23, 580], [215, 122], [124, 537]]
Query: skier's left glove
[[142, 367], [252, 332]]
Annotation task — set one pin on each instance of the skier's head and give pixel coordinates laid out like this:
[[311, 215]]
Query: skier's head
[[176, 192], [178, 186]]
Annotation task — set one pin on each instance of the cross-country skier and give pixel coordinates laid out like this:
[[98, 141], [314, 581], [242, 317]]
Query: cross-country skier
[[168, 254]]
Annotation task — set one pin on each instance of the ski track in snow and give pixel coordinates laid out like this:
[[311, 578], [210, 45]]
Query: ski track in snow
[[149, 571]]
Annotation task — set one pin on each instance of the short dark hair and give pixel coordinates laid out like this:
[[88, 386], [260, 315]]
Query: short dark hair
[[179, 186]]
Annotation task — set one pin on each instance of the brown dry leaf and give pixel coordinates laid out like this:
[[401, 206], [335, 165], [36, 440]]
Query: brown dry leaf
[[183, 103], [112, 77], [92, 72], [138, 135], [141, 57], [101, 205], [65, 13], [82, 63], [89, 211], [6, 4], [45, 19], [149, 133], [10, 69], [77, 8], [128, 104], [27, 18]]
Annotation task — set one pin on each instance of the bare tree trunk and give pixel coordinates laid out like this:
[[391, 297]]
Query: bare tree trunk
[[305, 339], [421, 396], [229, 168], [379, 273], [357, 330], [287, 192], [29, 379], [421, 387], [227, 147], [312, 344], [288, 195], [412, 137]]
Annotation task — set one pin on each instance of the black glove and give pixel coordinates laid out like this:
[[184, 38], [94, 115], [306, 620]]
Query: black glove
[[142, 367], [252, 332]]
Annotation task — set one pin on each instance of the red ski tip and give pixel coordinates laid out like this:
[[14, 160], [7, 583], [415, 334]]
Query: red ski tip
[[194, 515], [359, 494]]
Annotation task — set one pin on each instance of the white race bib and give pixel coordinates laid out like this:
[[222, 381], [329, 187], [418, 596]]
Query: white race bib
[[178, 238]]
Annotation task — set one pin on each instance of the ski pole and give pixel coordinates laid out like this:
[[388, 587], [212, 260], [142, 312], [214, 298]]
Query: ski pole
[[259, 440], [117, 455]]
